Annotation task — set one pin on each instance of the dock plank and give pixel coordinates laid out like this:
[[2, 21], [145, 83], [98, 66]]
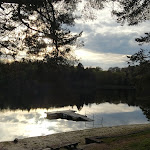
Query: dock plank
[[67, 114]]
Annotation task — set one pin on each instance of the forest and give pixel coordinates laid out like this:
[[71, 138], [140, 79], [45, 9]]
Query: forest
[[34, 78], [38, 29]]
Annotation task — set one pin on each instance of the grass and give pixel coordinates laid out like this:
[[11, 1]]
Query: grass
[[137, 141]]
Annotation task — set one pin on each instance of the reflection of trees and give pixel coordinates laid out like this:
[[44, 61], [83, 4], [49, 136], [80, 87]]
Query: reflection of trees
[[71, 97], [40, 29], [41, 84], [66, 97]]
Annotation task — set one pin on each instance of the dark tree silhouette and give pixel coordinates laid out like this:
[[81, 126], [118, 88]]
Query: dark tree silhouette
[[141, 57], [144, 39], [135, 12], [39, 27]]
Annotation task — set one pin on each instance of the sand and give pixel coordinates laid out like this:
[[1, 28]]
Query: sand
[[43, 142]]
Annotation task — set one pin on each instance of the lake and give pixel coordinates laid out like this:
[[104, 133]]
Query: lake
[[62, 34], [109, 109]]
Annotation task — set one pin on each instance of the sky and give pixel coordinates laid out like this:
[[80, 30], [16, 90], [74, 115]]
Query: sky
[[22, 124], [106, 42]]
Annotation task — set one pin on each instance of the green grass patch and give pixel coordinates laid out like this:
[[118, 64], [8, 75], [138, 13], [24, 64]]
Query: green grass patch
[[143, 144], [136, 141]]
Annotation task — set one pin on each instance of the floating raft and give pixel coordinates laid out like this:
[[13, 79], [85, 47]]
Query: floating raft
[[67, 114]]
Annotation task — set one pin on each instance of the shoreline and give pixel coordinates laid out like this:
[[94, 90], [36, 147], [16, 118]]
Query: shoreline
[[43, 142]]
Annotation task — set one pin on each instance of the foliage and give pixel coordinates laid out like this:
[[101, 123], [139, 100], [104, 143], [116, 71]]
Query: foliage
[[29, 84], [141, 57], [41, 29], [133, 12], [23, 74], [144, 39], [38, 29]]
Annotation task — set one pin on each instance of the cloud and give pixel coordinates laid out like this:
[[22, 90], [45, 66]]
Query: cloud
[[122, 118], [110, 38], [11, 118], [108, 108], [114, 114], [104, 60], [109, 43], [29, 124], [105, 35]]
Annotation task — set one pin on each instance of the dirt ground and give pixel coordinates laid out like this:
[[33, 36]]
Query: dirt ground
[[44, 142]]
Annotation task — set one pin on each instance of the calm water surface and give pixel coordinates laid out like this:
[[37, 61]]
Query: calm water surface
[[21, 124], [107, 109]]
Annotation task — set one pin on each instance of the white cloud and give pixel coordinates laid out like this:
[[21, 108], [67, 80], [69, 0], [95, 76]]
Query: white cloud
[[104, 60], [107, 40], [21, 124], [108, 108]]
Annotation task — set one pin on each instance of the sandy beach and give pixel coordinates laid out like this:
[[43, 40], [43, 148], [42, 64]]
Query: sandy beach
[[43, 142]]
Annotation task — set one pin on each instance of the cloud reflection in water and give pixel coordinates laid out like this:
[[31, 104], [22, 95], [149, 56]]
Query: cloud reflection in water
[[22, 124]]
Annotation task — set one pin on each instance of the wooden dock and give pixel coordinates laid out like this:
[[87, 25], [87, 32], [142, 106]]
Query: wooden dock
[[67, 114]]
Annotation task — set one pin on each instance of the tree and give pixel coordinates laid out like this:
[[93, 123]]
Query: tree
[[114, 69], [43, 28], [144, 39], [141, 57], [135, 12], [39, 28]]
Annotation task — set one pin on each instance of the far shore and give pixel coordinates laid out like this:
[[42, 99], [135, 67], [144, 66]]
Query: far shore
[[43, 142]]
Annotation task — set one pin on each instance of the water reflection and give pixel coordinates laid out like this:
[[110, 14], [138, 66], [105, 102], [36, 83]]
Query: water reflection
[[22, 124]]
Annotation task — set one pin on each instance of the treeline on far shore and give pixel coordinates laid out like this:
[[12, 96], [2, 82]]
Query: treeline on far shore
[[32, 78]]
